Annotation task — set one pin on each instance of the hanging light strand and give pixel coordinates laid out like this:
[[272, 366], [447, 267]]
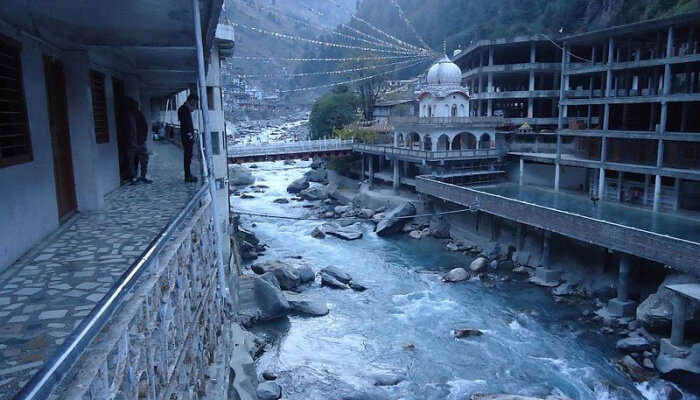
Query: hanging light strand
[[409, 24], [353, 80], [375, 39], [319, 59], [338, 72], [374, 42], [319, 42]]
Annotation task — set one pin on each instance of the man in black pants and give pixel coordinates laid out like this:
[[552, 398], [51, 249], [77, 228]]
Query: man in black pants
[[184, 114]]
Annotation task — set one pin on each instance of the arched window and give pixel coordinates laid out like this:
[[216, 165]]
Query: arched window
[[454, 110], [485, 141]]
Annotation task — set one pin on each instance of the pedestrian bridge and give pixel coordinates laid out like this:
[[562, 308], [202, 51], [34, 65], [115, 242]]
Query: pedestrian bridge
[[289, 150]]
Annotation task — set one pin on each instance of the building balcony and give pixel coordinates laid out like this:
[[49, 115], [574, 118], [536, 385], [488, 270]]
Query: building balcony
[[516, 94]]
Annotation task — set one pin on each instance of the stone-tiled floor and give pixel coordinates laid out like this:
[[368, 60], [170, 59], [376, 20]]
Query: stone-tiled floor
[[45, 295]]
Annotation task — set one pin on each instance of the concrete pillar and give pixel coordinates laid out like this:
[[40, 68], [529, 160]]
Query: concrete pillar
[[531, 100], [676, 194], [557, 173], [520, 236], [601, 183], [491, 55], [546, 249], [521, 172], [667, 67], [490, 88], [645, 198], [396, 181], [621, 306], [405, 168], [495, 229], [362, 168], [619, 186], [678, 321], [371, 171], [533, 53], [657, 193], [489, 108], [544, 273]]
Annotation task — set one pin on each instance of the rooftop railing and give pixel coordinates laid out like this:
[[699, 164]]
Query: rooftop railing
[[495, 121], [263, 149]]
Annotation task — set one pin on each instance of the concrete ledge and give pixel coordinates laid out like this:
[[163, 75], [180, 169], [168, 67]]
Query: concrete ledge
[[622, 308]]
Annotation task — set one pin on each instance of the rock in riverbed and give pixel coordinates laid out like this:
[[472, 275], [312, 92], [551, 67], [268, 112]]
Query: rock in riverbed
[[466, 332], [314, 193], [456, 275], [480, 396], [307, 306], [633, 344], [351, 232], [387, 380], [330, 281], [481, 264], [395, 219], [240, 176], [269, 391], [337, 273], [298, 185]]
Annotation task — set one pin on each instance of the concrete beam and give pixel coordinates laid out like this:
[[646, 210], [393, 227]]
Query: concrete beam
[[678, 321], [396, 182]]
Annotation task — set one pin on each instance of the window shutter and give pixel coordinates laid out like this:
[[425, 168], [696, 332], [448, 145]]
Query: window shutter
[[99, 106], [15, 139]]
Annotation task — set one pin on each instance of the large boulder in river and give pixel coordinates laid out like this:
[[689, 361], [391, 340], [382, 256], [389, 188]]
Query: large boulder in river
[[317, 175], [314, 193], [456, 275], [351, 232], [298, 185], [267, 303], [269, 391], [308, 306], [656, 311], [337, 273], [239, 175], [635, 344], [330, 281], [395, 219], [481, 264], [682, 370], [439, 228]]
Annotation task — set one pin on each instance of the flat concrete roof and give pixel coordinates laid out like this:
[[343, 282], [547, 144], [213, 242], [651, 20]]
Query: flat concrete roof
[[688, 290]]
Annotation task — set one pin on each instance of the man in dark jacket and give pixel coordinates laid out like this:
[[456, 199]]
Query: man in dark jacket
[[138, 134], [184, 114]]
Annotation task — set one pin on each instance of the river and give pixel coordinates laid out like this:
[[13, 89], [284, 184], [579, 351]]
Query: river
[[531, 345]]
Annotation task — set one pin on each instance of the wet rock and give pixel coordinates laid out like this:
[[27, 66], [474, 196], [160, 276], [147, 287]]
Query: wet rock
[[456, 275], [269, 391], [395, 219], [378, 217], [480, 264], [329, 281], [306, 274], [240, 176], [408, 346], [481, 396], [288, 277], [366, 213], [631, 367], [340, 210], [269, 375], [466, 333], [281, 201], [357, 287], [648, 364], [313, 307], [317, 163], [271, 278], [418, 235], [289, 162], [317, 175], [684, 371], [439, 228], [268, 302], [565, 289], [386, 380], [337, 274], [328, 214], [314, 193], [633, 344], [352, 232], [298, 185]]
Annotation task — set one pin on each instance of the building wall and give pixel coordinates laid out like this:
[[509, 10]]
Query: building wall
[[28, 208], [442, 107]]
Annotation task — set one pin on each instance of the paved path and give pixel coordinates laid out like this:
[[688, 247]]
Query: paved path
[[46, 294]]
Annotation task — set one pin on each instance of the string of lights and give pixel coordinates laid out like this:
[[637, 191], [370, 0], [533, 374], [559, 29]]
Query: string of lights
[[409, 24], [378, 41], [354, 80], [319, 59], [318, 42], [337, 72]]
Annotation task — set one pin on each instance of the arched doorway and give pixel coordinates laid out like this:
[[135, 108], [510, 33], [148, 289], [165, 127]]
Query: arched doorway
[[413, 140], [443, 143], [464, 141], [453, 113], [485, 141], [400, 142], [427, 143]]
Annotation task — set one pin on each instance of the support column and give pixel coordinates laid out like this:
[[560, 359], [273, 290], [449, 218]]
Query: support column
[[520, 236], [396, 176], [489, 108], [657, 193], [676, 194], [678, 321], [621, 306], [545, 274], [531, 100], [557, 173], [371, 172], [619, 186], [362, 168], [521, 172], [645, 198]]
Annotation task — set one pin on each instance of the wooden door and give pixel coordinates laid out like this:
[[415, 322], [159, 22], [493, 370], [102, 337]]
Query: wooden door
[[122, 132], [60, 138]]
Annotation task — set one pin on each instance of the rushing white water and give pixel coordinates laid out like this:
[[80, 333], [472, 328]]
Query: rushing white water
[[531, 345]]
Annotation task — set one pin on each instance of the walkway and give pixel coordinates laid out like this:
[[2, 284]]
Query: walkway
[[46, 294], [277, 151]]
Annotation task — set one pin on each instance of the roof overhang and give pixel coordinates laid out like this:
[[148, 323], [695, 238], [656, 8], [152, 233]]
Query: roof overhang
[[152, 40]]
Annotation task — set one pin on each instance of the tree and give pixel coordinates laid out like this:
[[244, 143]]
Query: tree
[[332, 110], [370, 90]]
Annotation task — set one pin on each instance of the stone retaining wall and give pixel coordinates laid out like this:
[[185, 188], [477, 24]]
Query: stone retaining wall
[[171, 339]]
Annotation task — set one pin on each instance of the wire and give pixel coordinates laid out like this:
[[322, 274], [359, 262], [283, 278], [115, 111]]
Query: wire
[[409, 24], [568, 51], [353, 80], [261, 58], [337, 72], [254, 214]]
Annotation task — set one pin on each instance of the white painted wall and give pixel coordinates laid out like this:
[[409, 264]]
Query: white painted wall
[[442, 107], [28, 208]]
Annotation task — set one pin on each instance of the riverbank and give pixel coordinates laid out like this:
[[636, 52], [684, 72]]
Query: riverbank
[[550, 321]]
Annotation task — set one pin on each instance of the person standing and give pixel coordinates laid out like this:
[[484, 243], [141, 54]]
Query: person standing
[[184, 114], [137, 153]]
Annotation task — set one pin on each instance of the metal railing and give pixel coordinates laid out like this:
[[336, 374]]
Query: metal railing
[[428, 155], [60, 363], [269, 149]]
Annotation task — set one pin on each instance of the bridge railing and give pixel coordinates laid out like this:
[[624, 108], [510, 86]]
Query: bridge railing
[[427, 155], [275, 148]]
